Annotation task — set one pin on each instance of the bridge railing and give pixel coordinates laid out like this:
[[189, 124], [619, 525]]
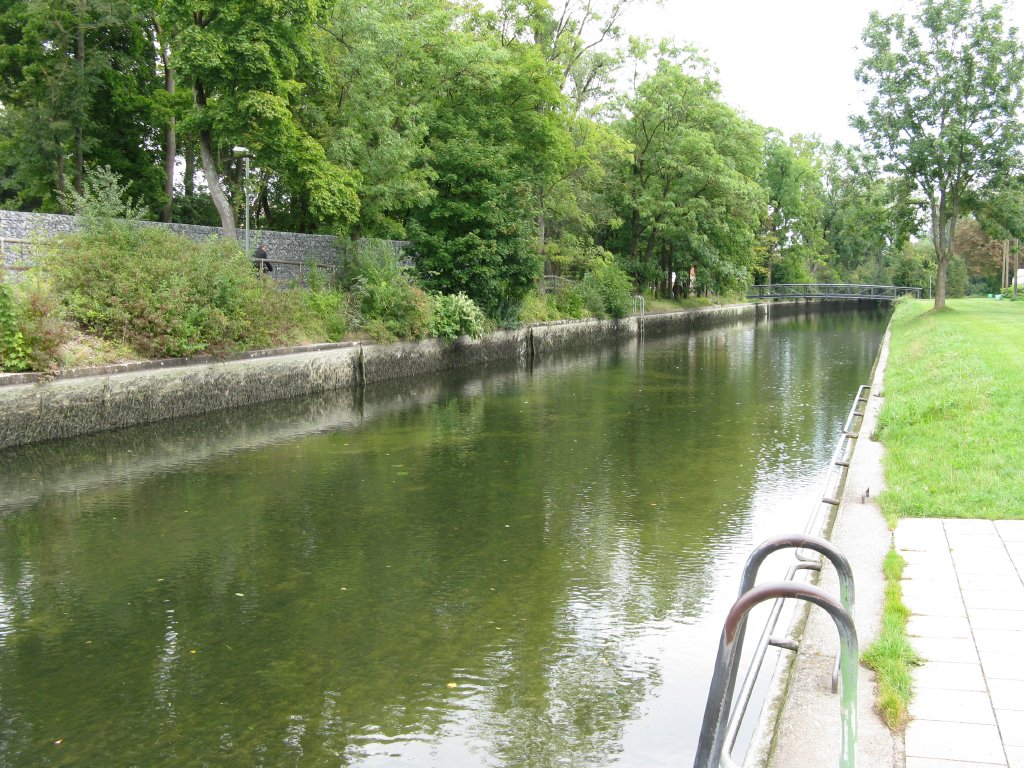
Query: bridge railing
[[831, 291]]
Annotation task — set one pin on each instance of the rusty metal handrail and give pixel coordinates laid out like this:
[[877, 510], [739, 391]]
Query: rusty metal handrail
[[713, 734]]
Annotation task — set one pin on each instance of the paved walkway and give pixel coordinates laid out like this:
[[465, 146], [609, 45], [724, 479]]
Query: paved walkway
[[964, 585]]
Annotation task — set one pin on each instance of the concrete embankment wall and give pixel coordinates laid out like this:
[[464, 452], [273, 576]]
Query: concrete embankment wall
[[34, 408]]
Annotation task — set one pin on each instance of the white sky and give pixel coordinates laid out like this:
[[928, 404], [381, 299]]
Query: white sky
[[786, 64]]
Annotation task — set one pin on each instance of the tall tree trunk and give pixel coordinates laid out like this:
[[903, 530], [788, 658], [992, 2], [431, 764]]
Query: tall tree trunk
[[189, 181], [220, 200], [80, 128], [943, 226], [170, 139]]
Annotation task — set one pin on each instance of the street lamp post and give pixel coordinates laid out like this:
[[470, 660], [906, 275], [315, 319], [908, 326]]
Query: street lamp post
[[243, 152]]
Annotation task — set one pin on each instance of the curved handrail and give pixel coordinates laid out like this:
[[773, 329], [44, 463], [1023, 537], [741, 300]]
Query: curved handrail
[[750, 570], [713, 734]]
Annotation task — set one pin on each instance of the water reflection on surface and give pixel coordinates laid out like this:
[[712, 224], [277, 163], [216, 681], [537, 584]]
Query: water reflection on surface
[[509, 568]]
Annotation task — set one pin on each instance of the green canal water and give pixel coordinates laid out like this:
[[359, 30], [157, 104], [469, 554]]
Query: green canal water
[[515, 567]]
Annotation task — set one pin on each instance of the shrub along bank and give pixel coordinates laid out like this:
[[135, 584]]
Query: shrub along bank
[[115, 290]]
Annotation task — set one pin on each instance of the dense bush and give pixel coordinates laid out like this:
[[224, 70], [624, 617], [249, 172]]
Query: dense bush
[[456, 315], [42, 324], [607, 291], [327, 303], [390, 304], [164, 295], [14, 352]]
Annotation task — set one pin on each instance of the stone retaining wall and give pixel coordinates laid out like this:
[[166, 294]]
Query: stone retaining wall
[[34, 408], [287, 246]]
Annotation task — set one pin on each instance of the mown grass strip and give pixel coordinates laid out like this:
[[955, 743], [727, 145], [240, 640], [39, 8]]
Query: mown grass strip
[[891, 655], [952, 424]]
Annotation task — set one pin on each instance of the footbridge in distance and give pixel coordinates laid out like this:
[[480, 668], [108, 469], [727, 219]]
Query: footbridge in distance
[[830, 291]]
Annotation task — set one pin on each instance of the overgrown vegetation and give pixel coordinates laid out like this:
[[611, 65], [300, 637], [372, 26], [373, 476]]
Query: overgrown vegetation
[[891, 656], [951, 423]]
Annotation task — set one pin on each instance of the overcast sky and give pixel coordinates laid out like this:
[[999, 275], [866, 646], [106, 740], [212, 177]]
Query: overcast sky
[[786, 64]]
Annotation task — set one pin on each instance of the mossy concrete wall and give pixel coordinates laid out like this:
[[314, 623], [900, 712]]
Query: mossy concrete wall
[[35, 408]]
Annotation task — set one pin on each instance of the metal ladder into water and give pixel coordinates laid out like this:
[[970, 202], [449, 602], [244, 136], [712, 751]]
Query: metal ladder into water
[[639, 311]]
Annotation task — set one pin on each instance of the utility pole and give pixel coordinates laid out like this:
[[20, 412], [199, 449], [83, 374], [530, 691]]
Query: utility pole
[[244, 153]]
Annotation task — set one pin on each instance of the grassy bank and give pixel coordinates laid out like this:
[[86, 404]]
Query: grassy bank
[[952, 426], [952, 423]]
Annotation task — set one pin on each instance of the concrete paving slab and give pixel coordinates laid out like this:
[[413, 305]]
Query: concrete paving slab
[[1011, 726], [1001, 566], [1010, 530], [988, 618], [927, 588], [949, 676], [1002, 666], [958, 650], [955, 741], [987, 583], [926, 762], [953, 706], [957, 527], [1000, 601], [1015, 757], [999, 640], [937, 606], [932, 557], [1007, 694], [939, 626]]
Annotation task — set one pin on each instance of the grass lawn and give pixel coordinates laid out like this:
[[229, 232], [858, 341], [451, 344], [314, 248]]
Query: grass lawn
[[953, 420]]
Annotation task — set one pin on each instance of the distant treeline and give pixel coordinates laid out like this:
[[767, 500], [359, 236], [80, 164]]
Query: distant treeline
[[504, 143]]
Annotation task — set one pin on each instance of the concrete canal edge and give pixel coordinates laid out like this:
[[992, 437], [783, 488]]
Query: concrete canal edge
[[800, 724], [36, 408]]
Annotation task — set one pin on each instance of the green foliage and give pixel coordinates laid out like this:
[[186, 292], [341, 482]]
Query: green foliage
[[164, 295], [891, 656], [327, 303], [537, 308], [14, 351], [688, 196], [42, 324], [913, 265], [946, 109], [571, 300], [390, 304], [951, 420], [456, 315], [956, 277], [103, 197], [607, 291], [496, 137]]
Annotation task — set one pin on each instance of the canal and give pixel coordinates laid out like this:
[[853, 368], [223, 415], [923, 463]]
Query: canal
[[513, 567]]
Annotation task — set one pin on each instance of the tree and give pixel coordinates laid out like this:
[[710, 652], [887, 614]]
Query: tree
[[867, 215], [77, 81], [496, 133], [946, 109], [688, 194], [793, 235], [247, 63]]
